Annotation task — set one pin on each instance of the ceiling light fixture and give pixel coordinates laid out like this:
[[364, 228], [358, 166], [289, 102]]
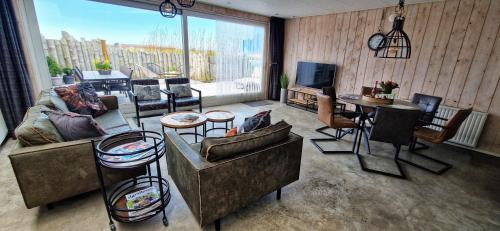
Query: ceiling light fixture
[[186, 3], [168, 9], [396, 43]]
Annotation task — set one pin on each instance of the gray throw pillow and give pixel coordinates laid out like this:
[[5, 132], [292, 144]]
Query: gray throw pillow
[[50, 99], [215, 149], [181, 90], [74, 126], [147, 92], [36, 128]]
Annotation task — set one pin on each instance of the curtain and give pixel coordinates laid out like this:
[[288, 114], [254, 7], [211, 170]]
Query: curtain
[[276, 45], [15, 84]]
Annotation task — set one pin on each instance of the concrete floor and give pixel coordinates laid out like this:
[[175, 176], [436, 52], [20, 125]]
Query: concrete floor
[[332, 193]]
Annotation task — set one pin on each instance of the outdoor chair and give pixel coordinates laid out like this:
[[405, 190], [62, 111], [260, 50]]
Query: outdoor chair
[[148, 108], [180, 101], [98, 85], [332, 119], [445, 133], [123, 86], [390, 125]]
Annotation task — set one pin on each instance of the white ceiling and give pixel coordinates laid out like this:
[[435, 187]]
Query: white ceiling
[[301, 8]]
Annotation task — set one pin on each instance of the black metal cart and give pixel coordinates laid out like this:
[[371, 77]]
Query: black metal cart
[[148, 148]]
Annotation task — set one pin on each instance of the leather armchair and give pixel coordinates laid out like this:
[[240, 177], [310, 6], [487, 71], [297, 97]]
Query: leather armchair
[[184, 101], [212, 190], [148, 108]]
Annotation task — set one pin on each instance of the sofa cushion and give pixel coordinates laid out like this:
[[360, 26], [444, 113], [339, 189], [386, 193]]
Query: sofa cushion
[[89, 95], [74, 126], [147, 92], [150, 105], [214, 149], [181, 102], [50, 99], [259, 120], [73, 99], [111, 119], [36, 128], [181, 90]]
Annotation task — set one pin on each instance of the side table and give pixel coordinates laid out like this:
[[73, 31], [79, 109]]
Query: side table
[[171, 121], [220, 116]]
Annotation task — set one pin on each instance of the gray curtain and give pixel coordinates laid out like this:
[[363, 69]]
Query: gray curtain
[[15, 84]]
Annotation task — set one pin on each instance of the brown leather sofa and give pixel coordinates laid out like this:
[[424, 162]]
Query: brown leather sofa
[[53, 172], [212, 190]]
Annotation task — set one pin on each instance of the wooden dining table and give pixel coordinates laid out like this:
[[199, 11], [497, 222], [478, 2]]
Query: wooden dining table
[[358, 101]]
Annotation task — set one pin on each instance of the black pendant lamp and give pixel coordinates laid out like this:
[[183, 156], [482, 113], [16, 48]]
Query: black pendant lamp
[[186, 3], [168, 9], [396, 43]]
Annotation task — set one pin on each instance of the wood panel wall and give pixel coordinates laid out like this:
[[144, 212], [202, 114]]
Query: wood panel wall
[[455, 54]]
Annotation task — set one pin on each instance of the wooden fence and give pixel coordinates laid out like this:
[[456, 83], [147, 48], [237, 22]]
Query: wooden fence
[[69, 52]]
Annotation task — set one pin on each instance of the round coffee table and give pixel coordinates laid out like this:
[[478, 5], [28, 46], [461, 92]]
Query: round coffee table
[[220, 116], [174, 120]]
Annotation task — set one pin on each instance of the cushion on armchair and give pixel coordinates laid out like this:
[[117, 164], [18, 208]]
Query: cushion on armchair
[[147, 92], [259, 120], [181, 90], [215, 149], [36, 128]]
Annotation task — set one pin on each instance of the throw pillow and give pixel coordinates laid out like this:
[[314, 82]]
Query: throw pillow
[[74, 126], [73, 99], [50, 99], [147, 92], [259, 120], [89, 95], [215, 149], [232, 132], [36, 128], [181, 90]]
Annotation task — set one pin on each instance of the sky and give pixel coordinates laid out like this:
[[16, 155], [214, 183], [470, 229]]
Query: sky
[[116, 24]]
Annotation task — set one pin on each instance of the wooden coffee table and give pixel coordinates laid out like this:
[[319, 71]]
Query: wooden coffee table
[[220, 116], [168, 121]]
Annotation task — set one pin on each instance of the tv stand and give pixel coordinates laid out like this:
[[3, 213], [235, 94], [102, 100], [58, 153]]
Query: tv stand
[[303, 98]]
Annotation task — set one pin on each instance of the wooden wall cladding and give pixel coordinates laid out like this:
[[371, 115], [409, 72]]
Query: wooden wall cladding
[[455, 54]]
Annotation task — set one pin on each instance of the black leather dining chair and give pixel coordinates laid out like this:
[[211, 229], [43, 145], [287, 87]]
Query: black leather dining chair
[[390, 125], [429, 105], [183, 101]]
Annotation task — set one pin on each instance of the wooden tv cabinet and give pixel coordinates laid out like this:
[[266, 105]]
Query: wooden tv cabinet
[[303, 97]]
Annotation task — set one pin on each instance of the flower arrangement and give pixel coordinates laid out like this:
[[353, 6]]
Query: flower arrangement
[[388, 86], [103, 67]]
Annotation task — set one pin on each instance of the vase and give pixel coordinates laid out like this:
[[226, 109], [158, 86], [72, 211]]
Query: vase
[[283, 96], [104, 72], [57, 81], [68, 79]]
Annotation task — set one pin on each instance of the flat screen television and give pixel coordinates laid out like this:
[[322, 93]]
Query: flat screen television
[[315, 75]]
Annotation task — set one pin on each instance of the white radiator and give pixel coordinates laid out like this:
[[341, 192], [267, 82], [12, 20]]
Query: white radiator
[[470, 130]]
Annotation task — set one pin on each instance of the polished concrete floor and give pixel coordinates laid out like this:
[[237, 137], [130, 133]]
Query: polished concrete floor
[[333, 193]]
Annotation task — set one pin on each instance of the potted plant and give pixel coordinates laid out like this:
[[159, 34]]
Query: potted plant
[[388, 86], [103, 67], [284, 87], [55, 71], [68, 75]]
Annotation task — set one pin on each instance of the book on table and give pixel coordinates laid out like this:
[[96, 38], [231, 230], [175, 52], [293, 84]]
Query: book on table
[[185, 118], [142, 200]]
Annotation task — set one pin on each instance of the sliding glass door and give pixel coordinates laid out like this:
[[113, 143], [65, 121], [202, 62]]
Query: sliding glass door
[[235, 54]]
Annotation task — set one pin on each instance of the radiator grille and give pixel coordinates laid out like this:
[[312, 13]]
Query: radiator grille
[[469, 132]]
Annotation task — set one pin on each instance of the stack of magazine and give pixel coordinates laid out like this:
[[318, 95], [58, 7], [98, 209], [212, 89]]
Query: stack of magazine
[[141, 199], [129, 160], [185, 118]]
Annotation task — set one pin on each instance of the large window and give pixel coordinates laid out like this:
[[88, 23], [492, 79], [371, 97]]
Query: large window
[[226, 57], [235, 54]]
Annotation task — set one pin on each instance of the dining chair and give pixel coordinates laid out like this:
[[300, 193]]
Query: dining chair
[[390, 125], [429, 105], [148, 107], [332, 119], [121, 85], [180, 100], [338, 107], [444, 133], [98, 85]]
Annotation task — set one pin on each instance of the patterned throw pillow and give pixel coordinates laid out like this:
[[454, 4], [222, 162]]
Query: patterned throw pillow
[[181, 90], [74, 126], [36, 128], [91, 98], [259, 120], [73, 99], [147, 92]]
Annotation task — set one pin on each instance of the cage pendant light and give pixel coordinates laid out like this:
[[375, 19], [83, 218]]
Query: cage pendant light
[[396, 44]]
